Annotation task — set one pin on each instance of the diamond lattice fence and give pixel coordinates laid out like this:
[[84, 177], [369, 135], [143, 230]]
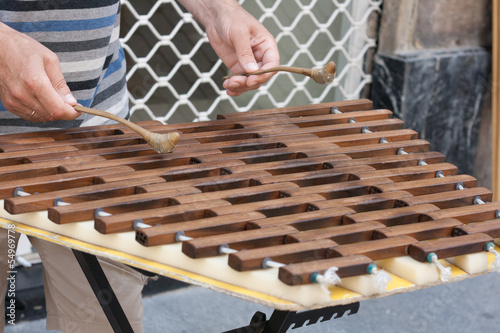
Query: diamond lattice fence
[[174, 75]]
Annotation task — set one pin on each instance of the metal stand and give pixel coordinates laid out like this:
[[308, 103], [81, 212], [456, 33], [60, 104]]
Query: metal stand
[[103, 291], [279, 322]]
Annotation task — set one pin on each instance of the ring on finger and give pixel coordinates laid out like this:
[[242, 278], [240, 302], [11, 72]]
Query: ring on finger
[[32, 113]]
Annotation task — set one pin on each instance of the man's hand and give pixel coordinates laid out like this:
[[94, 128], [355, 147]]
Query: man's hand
[[31, 79], [242, 42]]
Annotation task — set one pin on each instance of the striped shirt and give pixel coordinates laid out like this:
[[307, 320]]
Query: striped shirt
[[85, 37]]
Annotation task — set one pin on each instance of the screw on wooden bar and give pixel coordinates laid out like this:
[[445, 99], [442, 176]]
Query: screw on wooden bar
[[18, 192], [180, 236], [439, 174], [59, 202], [138, 224], [459, 186], [422, 162], [351, 120], [335, 110], [225, 249], [383, 140], [401, 151], [269, 263], [477, 200], [365, 130], [99, 212]]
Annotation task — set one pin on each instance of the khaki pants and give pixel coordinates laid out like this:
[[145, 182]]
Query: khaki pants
[[71, 304]]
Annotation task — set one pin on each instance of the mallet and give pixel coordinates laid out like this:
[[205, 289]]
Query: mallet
[[321, 75], [162, 143]]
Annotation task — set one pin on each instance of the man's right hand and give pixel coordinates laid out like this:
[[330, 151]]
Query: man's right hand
[[31, 79]]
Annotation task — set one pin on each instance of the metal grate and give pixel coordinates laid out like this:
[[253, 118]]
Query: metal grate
[[174, 76]]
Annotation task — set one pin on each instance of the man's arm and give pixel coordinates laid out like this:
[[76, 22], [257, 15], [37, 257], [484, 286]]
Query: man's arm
[[240, 40], [31, 79]]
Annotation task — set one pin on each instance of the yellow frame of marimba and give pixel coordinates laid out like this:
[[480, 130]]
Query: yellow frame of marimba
[[338, 294]]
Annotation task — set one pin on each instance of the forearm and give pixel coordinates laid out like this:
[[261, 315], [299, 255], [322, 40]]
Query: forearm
[[205, 11]]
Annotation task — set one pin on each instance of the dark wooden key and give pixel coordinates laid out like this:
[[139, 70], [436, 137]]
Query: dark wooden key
[[217, 225], [364, 203], [285, 253], [394, 216], [275, 207], [292, 166], [306, 220], [362, 139], [344, 189], [248, 239], [213, 183], [392, 161], [30, 170], [449, 247], [375, 249], [178, 172], [466, 214], [301, 273], [342, 234], [410, 173], [429, 185], [238, 195], [59, 181], [306, 110], [171, 214], [84, 211], [41, 201], [489, 227], [420, 230], [21, 157], [318, 177], [450, 199]]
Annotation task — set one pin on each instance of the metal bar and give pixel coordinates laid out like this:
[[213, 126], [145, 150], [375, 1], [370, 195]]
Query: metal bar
[[103, 291]]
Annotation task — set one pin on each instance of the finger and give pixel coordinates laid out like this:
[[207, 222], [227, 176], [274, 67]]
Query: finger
[[244, 52], [53, 105], [56, 77]]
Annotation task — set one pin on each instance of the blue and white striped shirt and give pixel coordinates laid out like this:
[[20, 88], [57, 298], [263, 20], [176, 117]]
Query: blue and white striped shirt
[[85, 37]]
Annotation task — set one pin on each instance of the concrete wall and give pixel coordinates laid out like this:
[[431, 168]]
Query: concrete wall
[[433, 66]]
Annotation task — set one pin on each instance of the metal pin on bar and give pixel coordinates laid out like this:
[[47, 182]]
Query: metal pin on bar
[[478, 201], [422, 162], [335, 110], [138, 224], [383, 140], [269, 263], [439, 174], [99, 212], [401, 151], [59, 202], [225, 249], [18, 192], [459, 186], [180, 236], [365, 130], [497, 214], [351, 120]]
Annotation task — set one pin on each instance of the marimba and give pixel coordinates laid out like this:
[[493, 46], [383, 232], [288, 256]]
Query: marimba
[[294, 208]]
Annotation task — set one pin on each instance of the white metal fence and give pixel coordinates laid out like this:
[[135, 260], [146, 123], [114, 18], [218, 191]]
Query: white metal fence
[[174, 75]]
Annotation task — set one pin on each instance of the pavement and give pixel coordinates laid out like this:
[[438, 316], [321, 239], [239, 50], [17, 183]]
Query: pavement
[[471, 305]]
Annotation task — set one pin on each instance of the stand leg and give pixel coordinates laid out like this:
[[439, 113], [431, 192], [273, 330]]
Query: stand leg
[[103, 291]]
